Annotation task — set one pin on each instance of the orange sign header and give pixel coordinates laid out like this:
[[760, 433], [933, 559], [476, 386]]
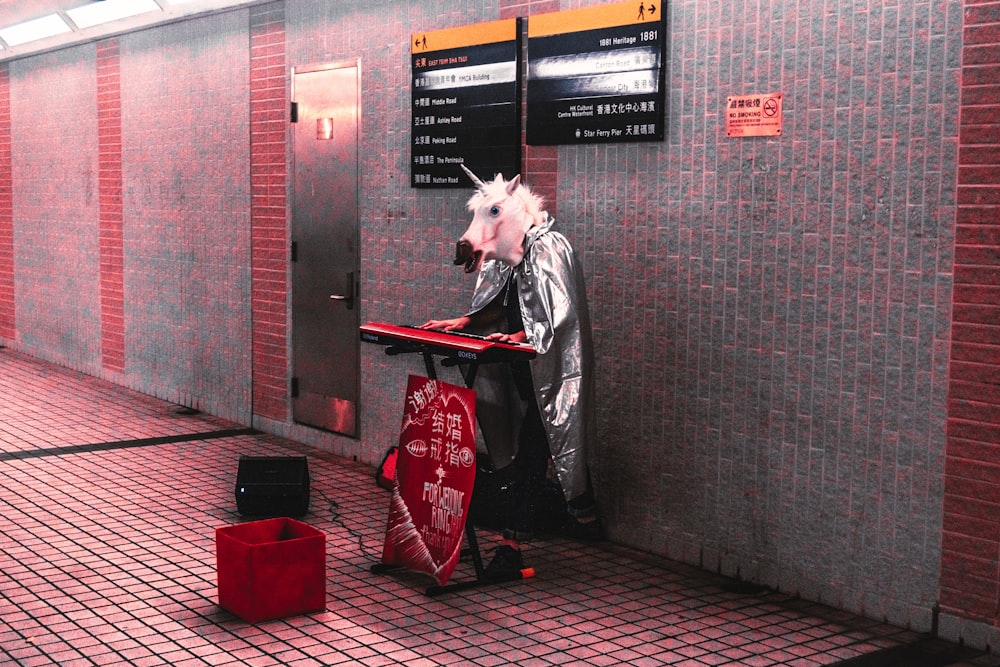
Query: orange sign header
[[593, 18], [469, 35]]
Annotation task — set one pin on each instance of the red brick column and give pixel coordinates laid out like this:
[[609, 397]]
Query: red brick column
[[970, 567], [109, 185], [268, 209], [539, 164], [6, 211]]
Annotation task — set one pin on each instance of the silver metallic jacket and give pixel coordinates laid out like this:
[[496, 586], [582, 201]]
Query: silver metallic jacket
[[553, 300]]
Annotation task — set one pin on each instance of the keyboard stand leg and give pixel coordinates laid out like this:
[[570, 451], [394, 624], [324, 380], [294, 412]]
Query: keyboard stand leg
[[470, 535], [429, 365], [480, 580]]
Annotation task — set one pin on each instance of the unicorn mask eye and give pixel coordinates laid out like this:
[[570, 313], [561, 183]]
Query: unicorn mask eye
[[494, 210]]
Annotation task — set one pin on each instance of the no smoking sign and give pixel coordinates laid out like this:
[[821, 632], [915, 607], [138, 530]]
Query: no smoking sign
[[753, 115]]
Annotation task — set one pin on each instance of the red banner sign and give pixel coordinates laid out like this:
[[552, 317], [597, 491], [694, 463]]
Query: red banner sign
[[435, 475]]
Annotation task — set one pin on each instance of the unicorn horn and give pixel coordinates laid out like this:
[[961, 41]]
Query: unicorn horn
[[475, 179]]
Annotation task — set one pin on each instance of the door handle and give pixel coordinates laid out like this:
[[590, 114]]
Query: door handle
[[348, 298]]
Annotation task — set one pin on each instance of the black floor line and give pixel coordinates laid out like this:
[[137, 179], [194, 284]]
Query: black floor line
[[124, 444]]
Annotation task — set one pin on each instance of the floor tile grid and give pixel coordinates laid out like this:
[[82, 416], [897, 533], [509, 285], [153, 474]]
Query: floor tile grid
[[576, 633], [79, 548], [85, 530], [80, 409], [594, 602], [92, 542], [109, 557]]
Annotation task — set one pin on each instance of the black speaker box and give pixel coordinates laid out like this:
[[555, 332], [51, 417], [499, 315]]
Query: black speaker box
[[272, 486]]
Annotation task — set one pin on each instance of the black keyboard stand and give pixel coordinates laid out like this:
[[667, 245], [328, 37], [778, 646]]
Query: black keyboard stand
[[470, 529]]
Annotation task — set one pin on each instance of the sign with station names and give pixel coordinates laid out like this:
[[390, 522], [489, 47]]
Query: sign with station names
[[466, 108], [597, 74]]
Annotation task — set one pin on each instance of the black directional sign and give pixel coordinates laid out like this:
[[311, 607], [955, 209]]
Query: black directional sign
[[597, 74], [466, 108]]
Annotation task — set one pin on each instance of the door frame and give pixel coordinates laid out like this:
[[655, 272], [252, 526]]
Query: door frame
[[350, 427]]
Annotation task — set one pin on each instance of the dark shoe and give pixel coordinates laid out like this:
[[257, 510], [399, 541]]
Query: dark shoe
[[587, 531], [506, 565]]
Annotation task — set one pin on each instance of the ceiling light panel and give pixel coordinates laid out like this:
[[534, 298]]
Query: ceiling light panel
[[29, 31], [97, 13]]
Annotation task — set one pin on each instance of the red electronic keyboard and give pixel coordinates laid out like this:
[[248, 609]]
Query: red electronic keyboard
[[455, 347]]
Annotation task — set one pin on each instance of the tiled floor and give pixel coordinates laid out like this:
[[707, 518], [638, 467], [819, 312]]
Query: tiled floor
[[110, 501]]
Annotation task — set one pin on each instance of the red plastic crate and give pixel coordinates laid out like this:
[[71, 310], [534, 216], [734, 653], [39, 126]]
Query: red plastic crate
[[271, 569]]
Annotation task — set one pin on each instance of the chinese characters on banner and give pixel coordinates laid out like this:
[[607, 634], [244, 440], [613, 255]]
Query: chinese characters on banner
[[597, 74], [466, 94], [435, 476], [753, 115]]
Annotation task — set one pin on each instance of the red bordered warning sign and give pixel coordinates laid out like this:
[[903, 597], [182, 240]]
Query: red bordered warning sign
[[753, 115]]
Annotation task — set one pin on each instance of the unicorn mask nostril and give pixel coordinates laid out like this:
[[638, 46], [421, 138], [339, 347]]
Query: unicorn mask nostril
[[464, 254], [463, 250]]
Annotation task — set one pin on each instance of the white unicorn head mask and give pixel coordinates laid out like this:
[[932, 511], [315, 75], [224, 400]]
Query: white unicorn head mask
[[503, 212]]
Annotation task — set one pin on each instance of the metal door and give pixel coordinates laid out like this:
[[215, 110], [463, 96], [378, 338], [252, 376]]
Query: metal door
[[325, 313]]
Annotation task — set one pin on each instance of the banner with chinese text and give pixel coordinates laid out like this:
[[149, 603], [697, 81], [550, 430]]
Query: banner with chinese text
[[435, 476]]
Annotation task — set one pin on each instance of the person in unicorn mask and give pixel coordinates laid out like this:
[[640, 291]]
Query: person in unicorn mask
[[530, 288]]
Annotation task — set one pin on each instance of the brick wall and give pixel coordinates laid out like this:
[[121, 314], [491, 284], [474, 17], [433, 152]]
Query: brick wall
[[186, 205], [109, 183], [7, 301], [268, 209], [772, 315], [540, 164], [970, 567], [54, 168]]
